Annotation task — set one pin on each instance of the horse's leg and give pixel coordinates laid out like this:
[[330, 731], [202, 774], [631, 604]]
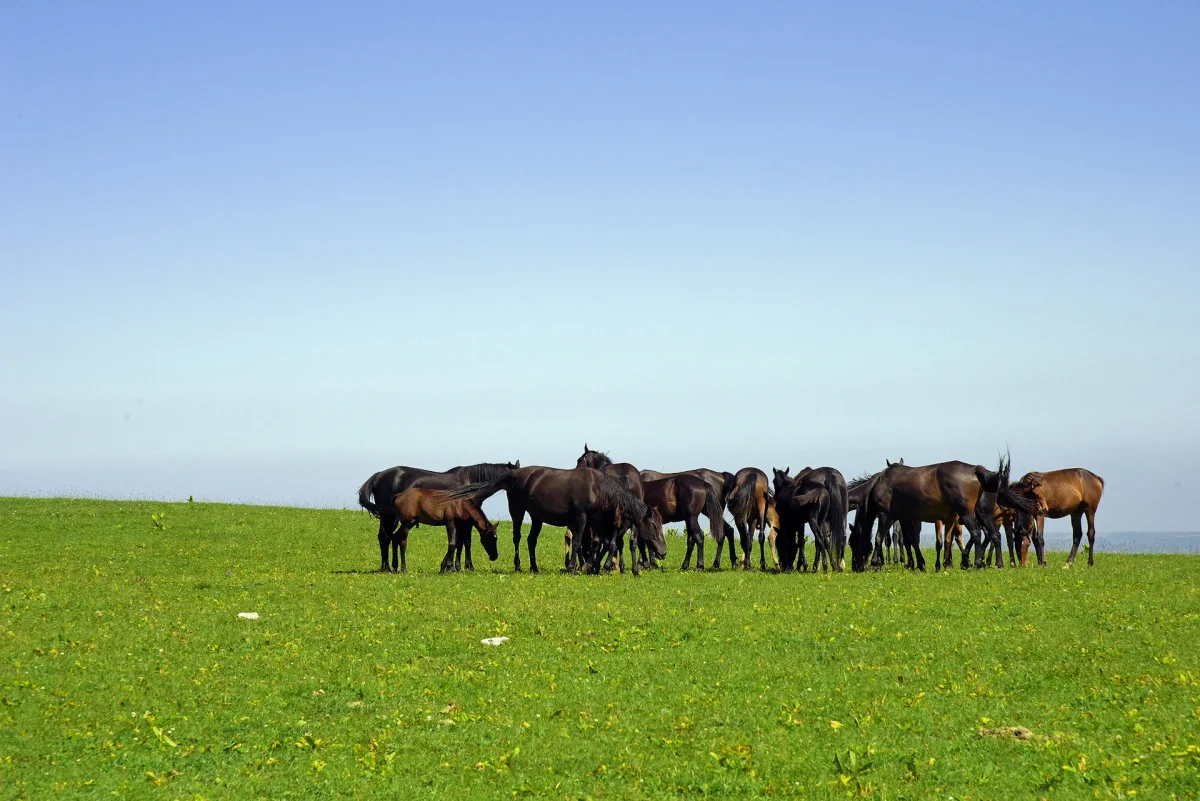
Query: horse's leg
[[468, 534], [535, 528], [975, 530], [1039, 539], [691, 545], [1012, 553], [1091, 535], [451, 544], [517, 512], [402, 541], [911, 531], [762, 551], [1076, 535], [696, 535], [938, 530], [385, 538]]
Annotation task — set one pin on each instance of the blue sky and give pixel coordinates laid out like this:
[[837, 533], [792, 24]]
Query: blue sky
[[259, 252]]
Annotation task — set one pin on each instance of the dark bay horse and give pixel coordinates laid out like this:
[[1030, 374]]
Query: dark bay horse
[[839, 504], [584, 500], [1059, 493], [682, 498], [747, 502], [377, 492], [625, 474], [417, 505], [722, 484], [933, 493]]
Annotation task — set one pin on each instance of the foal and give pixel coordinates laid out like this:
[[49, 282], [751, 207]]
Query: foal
[[417, 505]]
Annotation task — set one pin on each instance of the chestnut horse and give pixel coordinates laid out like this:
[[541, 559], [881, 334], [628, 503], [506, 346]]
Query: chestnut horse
[[377, 492], [933, 493], [748, 503], [682, 498], [584, 500], [1059, 493], [418, 505]]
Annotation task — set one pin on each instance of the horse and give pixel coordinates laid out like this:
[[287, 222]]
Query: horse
[[722, 484], [1076, 492], [581, 499], [839, 503], [747, 502], [800, 500], [1003, 516], [683, 498], [417, 505], [887, 539], [624, 473], [933, 493], [377, 492]]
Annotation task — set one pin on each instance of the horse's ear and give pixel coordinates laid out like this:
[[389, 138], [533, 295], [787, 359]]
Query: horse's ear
[[517, 465], [585, 448], [787, 469], [889, 462]]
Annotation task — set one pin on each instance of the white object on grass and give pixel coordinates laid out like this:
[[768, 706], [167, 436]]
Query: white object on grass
[[494, 640], [248, 615]]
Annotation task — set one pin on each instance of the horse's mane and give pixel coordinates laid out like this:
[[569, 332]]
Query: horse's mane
[[599, 460], [486, 471], [613, 495], [858, 481]]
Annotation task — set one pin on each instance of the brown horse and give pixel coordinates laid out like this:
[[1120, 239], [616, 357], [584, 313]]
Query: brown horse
[[933, 493], [377, 492], [682, 498], [747, 502], [1059, 493], [623, 473], [722, 484], [584, 500], [418, 505]]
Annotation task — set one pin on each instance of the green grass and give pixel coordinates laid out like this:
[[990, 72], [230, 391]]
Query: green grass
[[127, 671]]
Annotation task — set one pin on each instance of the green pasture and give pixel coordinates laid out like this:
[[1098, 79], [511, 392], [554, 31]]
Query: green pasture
[[126, 670]]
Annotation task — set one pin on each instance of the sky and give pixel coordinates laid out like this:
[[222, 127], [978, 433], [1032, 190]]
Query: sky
[[258, 252]]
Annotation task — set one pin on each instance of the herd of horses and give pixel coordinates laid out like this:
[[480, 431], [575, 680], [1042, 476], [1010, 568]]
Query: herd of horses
[[599, 502]]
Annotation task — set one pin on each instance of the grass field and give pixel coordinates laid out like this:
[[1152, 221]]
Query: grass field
[[127, 671]]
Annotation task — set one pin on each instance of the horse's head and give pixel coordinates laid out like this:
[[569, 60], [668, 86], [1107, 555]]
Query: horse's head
[[593, 459], [514, 465], [487, 538], [650, 531], [781, 479], [860, 541]]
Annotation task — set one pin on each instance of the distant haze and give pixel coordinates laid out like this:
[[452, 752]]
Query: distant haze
[[257, 253]]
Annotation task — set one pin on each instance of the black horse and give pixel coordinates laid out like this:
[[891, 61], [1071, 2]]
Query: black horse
[[934, 493], [584, 500], [625, 474], [799, 501], [682, 498], [377, 492], [835, 484]]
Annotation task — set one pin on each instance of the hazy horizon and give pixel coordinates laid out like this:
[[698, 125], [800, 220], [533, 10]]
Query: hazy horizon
[[259, 253]]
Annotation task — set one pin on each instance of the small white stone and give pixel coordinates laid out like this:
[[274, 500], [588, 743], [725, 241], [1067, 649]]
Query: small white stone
[[248, 615], [494, 640]]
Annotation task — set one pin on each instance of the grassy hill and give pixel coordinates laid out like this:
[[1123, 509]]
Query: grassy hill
[[126, 669]]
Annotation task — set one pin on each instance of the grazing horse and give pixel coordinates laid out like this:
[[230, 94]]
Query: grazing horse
[[625, 474], [417, 505], [1059, 493], [839, 504], [933, 493], [377, 492], [748, 503], [722, 484], [682, 498], [582, 499], [800, 500]]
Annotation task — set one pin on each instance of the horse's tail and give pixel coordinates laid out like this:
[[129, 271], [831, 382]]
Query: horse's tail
[[364, 495], [714, 510], [838, 501], [741, 500], [480, 491]]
